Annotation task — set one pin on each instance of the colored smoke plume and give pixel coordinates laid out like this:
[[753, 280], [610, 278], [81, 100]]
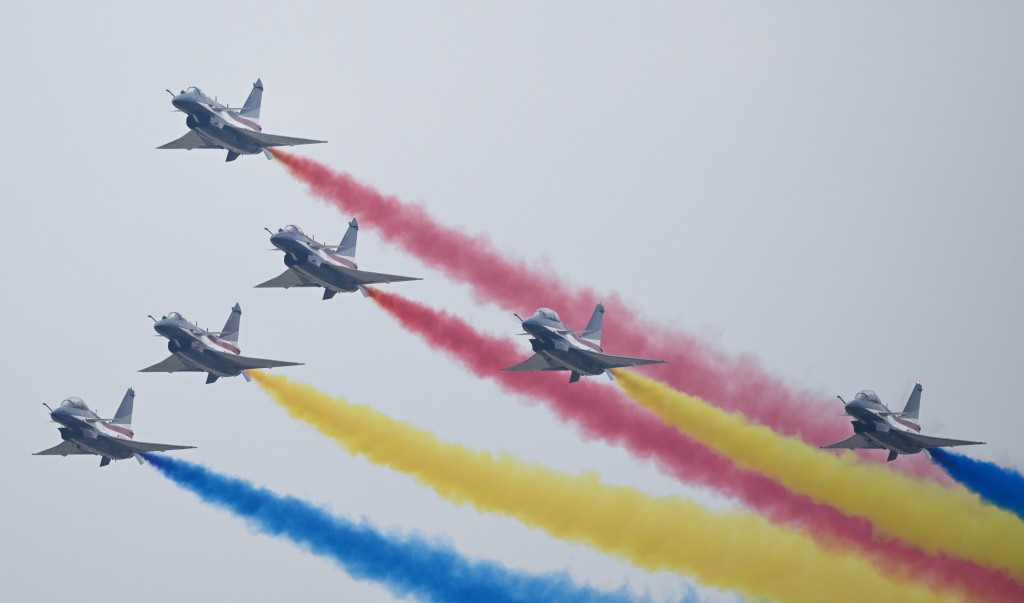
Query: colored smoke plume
[[921, 512], [1000, 486], [407, 565], [735, 550], [734, 383], [602, 412]]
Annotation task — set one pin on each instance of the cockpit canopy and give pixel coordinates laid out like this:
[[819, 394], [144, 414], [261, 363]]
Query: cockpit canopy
[[293, 229], [192, 90], [868, 395], [549, 314], [174, 316], [75, 403]]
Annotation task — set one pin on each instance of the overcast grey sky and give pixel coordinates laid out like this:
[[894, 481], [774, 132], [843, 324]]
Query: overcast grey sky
[[833, 188]]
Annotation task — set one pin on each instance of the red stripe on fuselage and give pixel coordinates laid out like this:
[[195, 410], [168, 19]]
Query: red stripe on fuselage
[[247, 122], [904, 423], [343, 260], [120, 430], [227, 346], [589, 344]]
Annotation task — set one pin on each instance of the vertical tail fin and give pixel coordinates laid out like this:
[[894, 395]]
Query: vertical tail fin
[[230, 331], [913, 407], [251, 108], [123, 416], [347, 247], [593, 331]]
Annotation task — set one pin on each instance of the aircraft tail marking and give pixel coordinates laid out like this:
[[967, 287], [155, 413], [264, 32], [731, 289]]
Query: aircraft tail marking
[[123, 416], [230, 330], [347, 247], [593, 331], [251, 108], [913, 407]]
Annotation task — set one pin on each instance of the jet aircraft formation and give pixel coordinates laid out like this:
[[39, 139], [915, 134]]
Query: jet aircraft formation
[[311, 264], [319, 265]]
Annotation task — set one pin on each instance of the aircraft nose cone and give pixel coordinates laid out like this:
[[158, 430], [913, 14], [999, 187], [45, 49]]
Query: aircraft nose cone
[[285, 241], [531, 326], [184, 102], [164, 327], [58, 415], [858, 410]]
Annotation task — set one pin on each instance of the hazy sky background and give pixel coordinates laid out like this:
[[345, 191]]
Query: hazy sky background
[[834, 189]]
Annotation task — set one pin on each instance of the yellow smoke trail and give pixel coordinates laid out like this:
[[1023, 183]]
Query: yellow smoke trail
[[921, 512], [735, 550]]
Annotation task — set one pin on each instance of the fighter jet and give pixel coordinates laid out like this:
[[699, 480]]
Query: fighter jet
[[312, 264], [84, 432], [559, 348], [216, 126], [875, 426], [213, 352]]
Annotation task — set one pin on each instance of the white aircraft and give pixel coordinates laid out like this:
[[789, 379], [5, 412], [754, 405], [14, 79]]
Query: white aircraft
[[877, 427], [84, 432], [333, 267], [558, 348], [215, 126], [198, 350]]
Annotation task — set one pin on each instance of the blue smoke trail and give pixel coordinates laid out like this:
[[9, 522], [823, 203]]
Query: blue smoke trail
[[1001, 486], [408, 565]]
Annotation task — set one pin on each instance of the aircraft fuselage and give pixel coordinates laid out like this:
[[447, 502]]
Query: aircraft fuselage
[[882, 430], [191, 345], [219, 128], [316, 265], [83, 433], [551, 340]]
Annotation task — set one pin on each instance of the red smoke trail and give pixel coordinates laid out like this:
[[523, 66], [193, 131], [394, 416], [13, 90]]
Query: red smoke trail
[[602, 412], [693, 366]]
